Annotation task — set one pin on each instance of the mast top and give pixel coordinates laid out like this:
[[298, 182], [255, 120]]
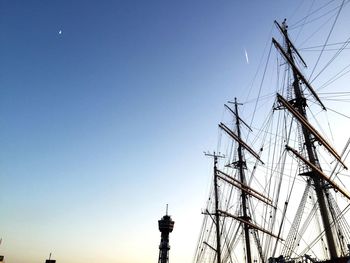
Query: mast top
[[284, 25], [235, 102]]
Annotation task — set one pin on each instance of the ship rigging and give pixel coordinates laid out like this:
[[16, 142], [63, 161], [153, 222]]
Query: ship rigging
[[283, 202]]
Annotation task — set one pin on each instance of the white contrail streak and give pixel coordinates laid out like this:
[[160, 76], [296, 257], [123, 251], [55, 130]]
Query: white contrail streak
[[246, 56]]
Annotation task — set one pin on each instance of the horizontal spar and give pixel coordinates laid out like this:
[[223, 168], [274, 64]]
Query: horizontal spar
[[245, 188], [309, 127], [242, 143], [206, 243], [300, 75], [318, 172], [286, 37], [227, 107], [249, 224]]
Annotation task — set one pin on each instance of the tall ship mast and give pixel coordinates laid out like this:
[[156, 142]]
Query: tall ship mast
[[278, 192]]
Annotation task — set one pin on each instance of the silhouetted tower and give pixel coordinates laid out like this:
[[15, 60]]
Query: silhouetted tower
[[50, 260], [166, 226]]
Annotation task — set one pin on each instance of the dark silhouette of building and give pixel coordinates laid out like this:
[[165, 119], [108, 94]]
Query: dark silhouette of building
[[166, 226]]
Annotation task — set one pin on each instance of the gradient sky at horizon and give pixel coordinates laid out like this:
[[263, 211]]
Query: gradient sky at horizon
[[105, 110]]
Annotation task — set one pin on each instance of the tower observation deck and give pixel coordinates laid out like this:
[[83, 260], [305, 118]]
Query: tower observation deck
[[166, 226]]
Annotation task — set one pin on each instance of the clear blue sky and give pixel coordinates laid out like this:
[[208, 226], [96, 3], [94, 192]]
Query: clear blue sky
[[104, 123]]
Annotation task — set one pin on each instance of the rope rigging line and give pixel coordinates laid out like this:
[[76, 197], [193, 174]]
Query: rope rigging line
[[334, 174], [263, 97], [327, 39], [338, 100], [341, 215], [335, 94], [341, 114], [344, 97], [304, 22], [319, 17], [328, 49], [260, 62], [330, 130], [295, 25], [261, 84], [328, 45], [296, 10], [316, 31], [336, 77], [333, 58], [318, 124]]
